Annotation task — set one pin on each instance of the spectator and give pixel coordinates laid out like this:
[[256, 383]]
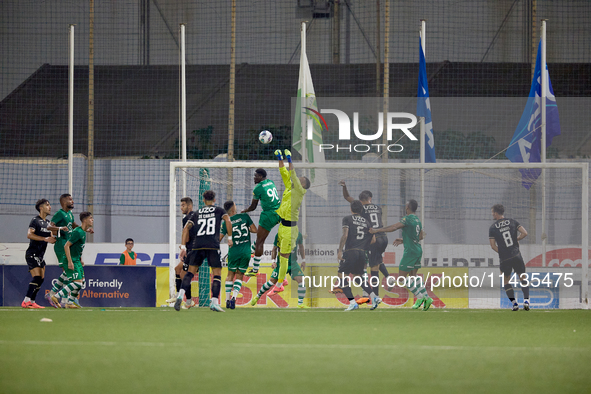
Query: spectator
[[128, 257]]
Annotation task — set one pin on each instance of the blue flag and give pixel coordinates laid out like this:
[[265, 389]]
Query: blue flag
[[424, 107], [525, 147]]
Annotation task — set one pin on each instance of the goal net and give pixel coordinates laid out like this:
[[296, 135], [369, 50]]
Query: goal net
[[459, 267]]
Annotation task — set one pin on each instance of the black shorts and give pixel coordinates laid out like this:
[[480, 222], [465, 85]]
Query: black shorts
[[197, 256], [35, 262], [376, 250], [514, 263], [353, 262]]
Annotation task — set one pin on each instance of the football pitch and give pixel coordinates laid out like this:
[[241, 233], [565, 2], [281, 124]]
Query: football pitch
[[159, 350]]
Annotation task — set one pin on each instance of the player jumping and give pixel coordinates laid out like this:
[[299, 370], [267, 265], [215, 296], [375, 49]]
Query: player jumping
[[239, 253], [504, 240], [206, 245], [289, 211], [39, 237], [412, 234], [373, 213], [355, 242], [266, 192]]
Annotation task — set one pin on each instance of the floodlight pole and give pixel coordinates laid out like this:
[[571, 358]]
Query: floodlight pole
[[303, 121]]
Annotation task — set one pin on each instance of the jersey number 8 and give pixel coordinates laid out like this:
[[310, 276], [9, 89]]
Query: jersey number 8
[[507, 238]]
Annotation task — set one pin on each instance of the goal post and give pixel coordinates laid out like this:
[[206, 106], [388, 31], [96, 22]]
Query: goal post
[[458, 198]]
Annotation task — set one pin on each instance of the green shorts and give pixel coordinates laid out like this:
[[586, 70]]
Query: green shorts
[[410, 262], [269, 219], [239, 261], [293, 270], [62, 260], [77, 273]]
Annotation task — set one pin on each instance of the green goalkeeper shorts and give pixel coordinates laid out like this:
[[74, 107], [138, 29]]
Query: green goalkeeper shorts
[[269, 219], [293, 270]]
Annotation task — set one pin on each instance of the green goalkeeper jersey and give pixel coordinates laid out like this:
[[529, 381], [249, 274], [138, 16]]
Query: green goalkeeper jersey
[[62, 219], [240, 234], [410, 235], [266, 192]]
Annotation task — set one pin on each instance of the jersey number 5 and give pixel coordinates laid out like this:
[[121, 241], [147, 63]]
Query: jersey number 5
[[207, 227]]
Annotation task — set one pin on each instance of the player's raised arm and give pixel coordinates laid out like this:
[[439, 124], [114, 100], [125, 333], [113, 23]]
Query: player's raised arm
[[522, 233], [297, 185], [346, 195], [285, 176]]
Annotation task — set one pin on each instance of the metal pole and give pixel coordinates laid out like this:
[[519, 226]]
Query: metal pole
[[544, 88], [422, 132], [90, 167], [533, 197], [183, 108], [336, 33], [303, 121], [384, 176], [378, 52], [71, 114], [585, 236], [172, 231], [232, 104]]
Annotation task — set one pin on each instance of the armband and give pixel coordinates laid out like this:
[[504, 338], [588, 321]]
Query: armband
[[183, 247]]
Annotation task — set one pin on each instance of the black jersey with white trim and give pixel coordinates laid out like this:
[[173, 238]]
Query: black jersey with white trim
[[504, 232], [373, 214], [358, 236], [207, 222], [37, 248], [192, 230]]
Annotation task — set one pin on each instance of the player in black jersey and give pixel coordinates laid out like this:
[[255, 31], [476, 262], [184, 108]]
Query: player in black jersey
[[373, 213], [183, 266], [355, 240], [504, 239], [205, 245], [39, 237]]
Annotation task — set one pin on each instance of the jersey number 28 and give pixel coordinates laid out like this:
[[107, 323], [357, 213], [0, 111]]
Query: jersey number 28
[[207, 226]]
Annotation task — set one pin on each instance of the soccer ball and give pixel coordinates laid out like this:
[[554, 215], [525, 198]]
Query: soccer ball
[[265, 136]]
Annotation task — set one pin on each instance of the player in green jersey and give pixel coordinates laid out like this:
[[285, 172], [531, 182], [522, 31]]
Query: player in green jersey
[[265, 192], [239, 253], [412, 234], [75, 267], [295, 270], [62, 224]]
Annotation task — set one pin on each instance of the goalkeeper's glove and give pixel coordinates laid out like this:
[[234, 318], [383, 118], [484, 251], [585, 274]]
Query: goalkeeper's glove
[[278, 154], [288, 156]]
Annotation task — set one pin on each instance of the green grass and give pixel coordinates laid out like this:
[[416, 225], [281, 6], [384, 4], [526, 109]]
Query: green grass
[[293, 351]]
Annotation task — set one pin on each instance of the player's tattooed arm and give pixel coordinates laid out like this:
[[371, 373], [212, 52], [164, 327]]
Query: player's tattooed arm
[[342, 243], [185, 239], [346, 192], [522, 233]]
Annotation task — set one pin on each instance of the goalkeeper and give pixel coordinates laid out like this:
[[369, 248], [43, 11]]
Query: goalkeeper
[[289, 212]]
